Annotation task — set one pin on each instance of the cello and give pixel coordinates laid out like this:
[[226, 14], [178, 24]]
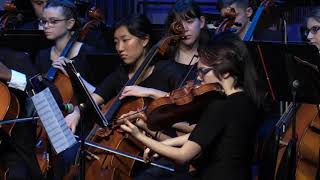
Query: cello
[[308, 144], [9, 109], [102, 165], [63, 86]]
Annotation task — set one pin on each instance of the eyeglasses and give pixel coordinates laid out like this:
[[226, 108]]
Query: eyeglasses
[[201, 73], [314, 30], [204, 71], [51, 22]]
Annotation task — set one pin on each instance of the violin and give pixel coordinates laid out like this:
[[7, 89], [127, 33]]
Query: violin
[[181, 104]]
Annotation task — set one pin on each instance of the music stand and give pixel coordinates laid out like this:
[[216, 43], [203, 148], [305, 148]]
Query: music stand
[[291, 72], [102, 64], [25, 40], [86, 105], [287, 65]]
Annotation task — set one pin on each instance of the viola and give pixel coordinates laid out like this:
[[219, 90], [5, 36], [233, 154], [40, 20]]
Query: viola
[[181, 104]]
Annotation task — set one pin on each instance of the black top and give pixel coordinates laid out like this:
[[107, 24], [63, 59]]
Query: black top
[[226, 134], [20, 62], [186, 70], [43, 62], [164, 77], [17, 61], [94, 37]]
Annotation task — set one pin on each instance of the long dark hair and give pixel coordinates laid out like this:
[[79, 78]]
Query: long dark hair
[[227, 53], [138, 25], [69, 10], [184, 10]]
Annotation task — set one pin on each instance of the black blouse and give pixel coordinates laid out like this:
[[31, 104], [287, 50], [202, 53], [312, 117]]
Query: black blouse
[[43, 62], [226, 133], [165, 77]]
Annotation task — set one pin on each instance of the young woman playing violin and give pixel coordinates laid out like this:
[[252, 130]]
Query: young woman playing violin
[[226, 131]]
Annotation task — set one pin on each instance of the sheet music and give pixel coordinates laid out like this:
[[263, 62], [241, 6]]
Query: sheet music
[[53, 121]]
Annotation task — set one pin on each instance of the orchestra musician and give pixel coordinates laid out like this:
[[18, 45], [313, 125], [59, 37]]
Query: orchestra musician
[[244, 12], [185, 54], [94, 37], [133, 38], [18, 152], [37, 6], [313, 27], [225, 139], [60, 20]]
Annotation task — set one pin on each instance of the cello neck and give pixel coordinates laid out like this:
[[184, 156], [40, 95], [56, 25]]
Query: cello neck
[[255, 20], [52, 72], [137, 75]]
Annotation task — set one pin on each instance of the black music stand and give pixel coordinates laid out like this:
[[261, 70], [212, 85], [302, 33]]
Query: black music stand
[[25, 40], [288, 65], [86, 105], [102, 64], [291, 73]]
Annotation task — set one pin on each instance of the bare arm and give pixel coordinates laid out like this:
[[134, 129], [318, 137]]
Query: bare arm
[[176, 141], [181, 155], [184, 127], [139, 91], [73, 118]]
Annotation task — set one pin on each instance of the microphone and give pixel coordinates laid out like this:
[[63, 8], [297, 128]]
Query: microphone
[[39, 84], [67, 108], [295, 84]]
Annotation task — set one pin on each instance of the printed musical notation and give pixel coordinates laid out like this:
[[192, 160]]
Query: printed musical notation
[[53, 121]]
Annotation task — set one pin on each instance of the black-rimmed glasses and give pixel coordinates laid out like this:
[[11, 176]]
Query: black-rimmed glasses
[[313, 30], [51, 22]]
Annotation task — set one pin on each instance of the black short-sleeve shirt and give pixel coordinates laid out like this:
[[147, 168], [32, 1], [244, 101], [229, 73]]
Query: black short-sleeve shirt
[[43, 61], [226, 133], [165, 77]]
